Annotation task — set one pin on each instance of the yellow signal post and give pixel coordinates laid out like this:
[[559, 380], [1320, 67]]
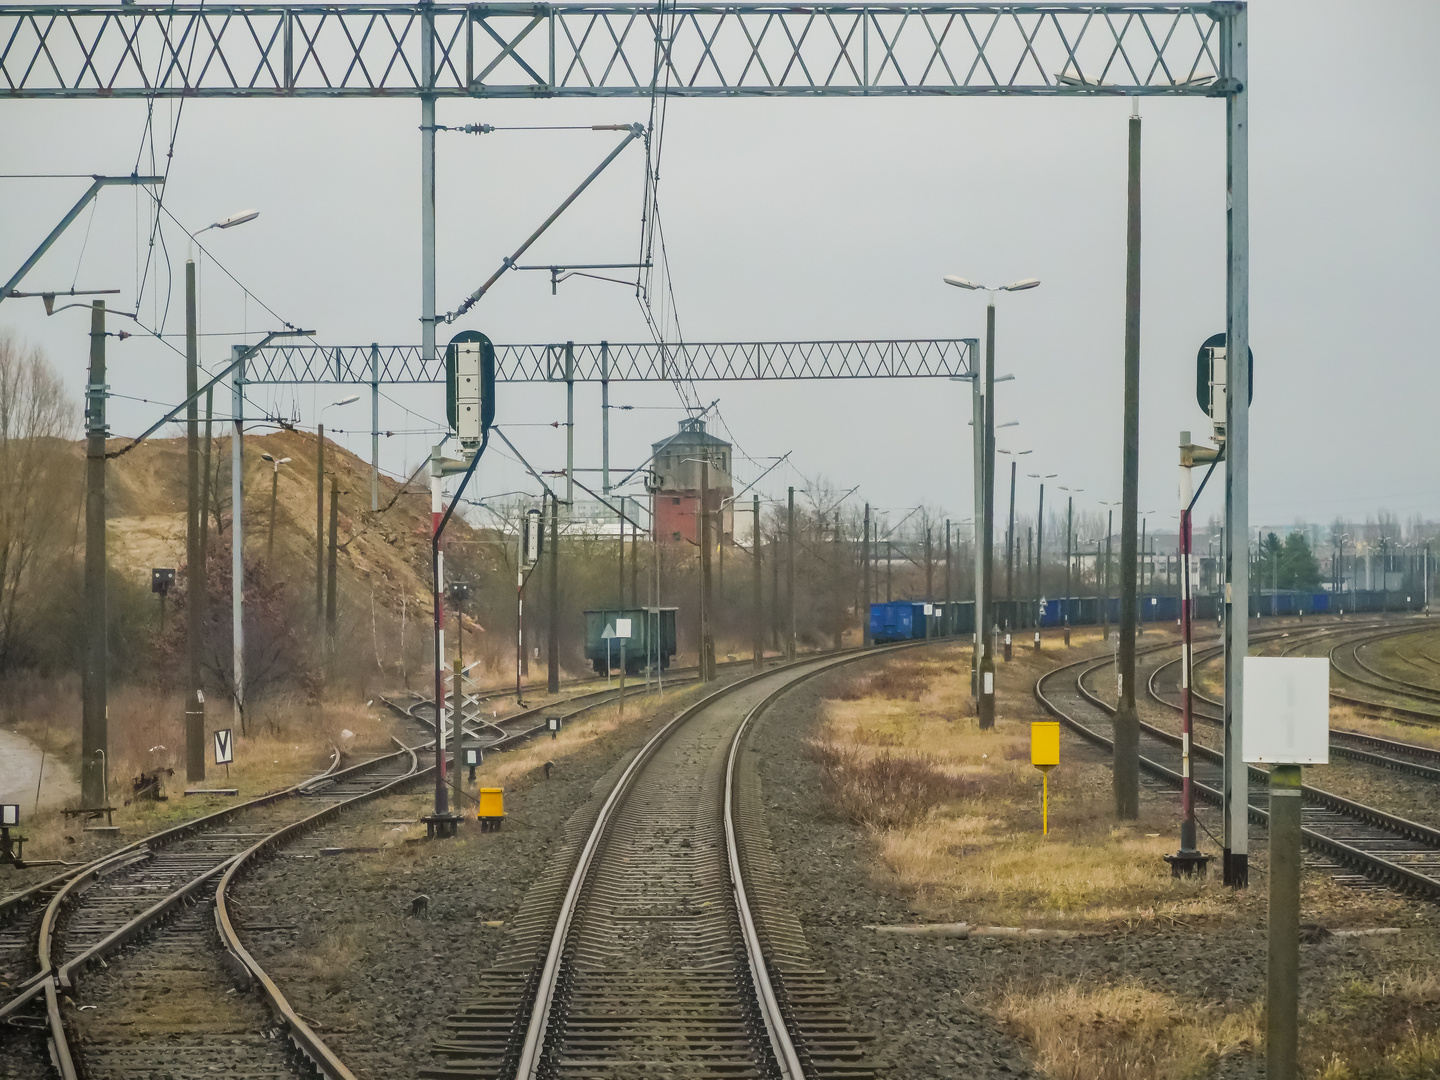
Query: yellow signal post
[[1045, 755]]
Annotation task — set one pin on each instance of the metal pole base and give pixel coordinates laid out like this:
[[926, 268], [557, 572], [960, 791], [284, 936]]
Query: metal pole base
[[441, 826], [1188, 863], [1235, 869], [1067, 635]]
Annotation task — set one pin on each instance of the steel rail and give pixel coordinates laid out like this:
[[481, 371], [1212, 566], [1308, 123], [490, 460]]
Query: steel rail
[[536, 1028], [63, 977], [71, 881], [1368, 863], [1338, 736], [1401, 686], [301, 1034]]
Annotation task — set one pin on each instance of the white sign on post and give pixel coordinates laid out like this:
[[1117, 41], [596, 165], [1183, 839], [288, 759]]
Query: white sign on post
[[622, 628], [224, 747], [1287, 711]]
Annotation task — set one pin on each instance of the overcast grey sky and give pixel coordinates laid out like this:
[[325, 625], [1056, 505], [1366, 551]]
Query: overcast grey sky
[[830, 219]]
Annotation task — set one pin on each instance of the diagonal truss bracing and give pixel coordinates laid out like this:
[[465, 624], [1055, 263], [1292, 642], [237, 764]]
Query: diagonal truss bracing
[[647, 362], [610, 50]]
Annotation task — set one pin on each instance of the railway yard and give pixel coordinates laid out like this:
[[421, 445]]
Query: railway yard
[[723, 882]]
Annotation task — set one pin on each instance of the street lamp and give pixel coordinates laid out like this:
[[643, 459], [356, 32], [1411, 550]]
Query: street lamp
[[274, 488], [986, 443]]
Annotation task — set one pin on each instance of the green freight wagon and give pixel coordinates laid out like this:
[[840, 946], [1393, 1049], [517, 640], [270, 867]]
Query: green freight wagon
[[651, 642]]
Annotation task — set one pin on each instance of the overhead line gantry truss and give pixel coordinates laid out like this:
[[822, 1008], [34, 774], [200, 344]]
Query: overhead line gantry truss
[[609, 50]]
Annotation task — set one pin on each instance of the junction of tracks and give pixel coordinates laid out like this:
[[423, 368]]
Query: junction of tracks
[[663, 922]]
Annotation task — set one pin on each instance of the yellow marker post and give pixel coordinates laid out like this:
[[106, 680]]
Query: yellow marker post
[[1045, 755]]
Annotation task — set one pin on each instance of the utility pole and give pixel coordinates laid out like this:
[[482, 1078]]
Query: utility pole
[[205, 485], [1011, 551], [790, 586], [865, 577], [331, 600], [1069, 561], [758, 648], [1127, 720], [620, 595], [977, 453], [552, 642], [984, 619], [237, 536], [889, 552], [319, 528], [707, 644], [1039, 557], [374, 427], [194, 523], [94, 726], [947, 564], [1235, 63]]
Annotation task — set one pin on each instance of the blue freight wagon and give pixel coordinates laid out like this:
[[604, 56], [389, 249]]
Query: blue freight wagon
[[651, 642], [896, 621]]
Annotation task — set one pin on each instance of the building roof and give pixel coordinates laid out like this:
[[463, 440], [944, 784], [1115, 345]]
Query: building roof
[[692, 433]]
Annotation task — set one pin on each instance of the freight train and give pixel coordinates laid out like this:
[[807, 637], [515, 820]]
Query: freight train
[[906, 620]]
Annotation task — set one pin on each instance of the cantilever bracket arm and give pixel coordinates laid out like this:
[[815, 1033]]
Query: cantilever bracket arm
[[226, 370], [90, 193], [635, 131]]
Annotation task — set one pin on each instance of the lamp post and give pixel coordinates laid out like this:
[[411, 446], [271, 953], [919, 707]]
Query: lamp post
[[274, 490], [983, 619], [196, 585], [1039, 582], [1069, 549]]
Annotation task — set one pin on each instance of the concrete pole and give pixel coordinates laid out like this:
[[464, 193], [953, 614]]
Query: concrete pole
[[605, 423], [707, 645], [1234, 49], [437, 600], [1069, 537], [94, 716], [947, 564], [987, 539], [1126, 773], [552, 644], [332, 601], [1012, 551], [274, 497], [1282, 968], [867, 589], [374, 426], [620, 595], [195, 559], [237, 538], [319, 531], [757, 610], [570, 424], [205, 486], [1039, 558], [790, 585], [977, 453]]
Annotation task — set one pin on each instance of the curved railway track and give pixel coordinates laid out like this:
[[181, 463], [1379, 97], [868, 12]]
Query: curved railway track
[[1373, 843], [658, 942], [155, 899], [1163, 687]]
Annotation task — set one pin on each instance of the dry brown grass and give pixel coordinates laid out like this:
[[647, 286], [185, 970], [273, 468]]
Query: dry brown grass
[[1376, 1030], [1124, 1032], [956, 810]]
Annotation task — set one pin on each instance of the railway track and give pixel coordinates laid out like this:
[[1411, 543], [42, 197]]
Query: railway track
[[1163, 687], [658, 942], [1370, 842], [1422, 701], [143, 916]]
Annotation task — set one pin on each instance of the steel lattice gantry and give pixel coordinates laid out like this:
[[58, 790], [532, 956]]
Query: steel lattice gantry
[[623, 49], [540, 50], [617, 362]]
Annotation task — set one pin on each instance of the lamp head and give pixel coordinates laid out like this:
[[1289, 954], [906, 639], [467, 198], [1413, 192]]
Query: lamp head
[[1022, 284], [960, 282], [236, 219]]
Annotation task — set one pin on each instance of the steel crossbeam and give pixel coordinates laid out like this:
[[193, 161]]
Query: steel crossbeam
[[617, 362], [511, 50]]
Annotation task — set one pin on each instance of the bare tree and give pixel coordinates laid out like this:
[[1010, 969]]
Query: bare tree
[[33, 420]]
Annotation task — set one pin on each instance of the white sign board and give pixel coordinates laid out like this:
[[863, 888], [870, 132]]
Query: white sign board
[[929, 610], [622, 628], [224, 747], [10, 814], [1287, 711]]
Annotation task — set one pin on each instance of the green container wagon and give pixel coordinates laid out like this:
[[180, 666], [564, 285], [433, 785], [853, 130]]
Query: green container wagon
[[651, 642]]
